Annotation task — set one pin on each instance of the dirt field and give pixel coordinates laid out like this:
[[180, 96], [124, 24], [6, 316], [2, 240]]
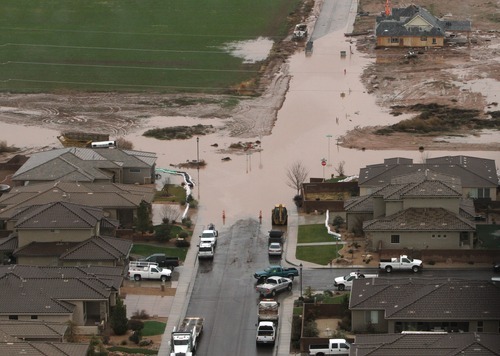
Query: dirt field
[[439, 75]]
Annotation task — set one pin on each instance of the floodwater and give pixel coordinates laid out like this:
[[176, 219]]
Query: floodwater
[[325, 100]]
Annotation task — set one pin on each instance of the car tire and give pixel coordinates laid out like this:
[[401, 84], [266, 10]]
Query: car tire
[[137, 277], [341, 287], [415, 269], [164, 278], [290, 286], [388, 269]]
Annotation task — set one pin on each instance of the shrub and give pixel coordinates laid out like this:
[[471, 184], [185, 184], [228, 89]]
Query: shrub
[[135, 324], [183, 235], [135, 337], [119, 319], [124, 342], [182, 243], [143, 314], [310, 329]]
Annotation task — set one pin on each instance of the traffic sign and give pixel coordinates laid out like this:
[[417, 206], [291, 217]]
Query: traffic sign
[[323, 163]]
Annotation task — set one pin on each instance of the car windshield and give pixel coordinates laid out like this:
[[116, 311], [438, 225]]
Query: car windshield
[[275, 246]]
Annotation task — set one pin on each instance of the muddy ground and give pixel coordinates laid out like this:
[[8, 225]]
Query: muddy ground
[[435, 76]]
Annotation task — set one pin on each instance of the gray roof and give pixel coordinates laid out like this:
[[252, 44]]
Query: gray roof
[[473, 172], [423, 299], [39, 348], [59, 215], [8, 243], [420, 219], [99, 248], [81, 164], [33, 329], [421, 344], [105, 195], [399, 23]]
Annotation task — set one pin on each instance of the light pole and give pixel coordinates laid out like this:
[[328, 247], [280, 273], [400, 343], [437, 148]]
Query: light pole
[[198, 151], [300, 266], [329, 137]]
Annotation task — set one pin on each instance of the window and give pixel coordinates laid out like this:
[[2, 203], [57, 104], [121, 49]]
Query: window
[[134, 170], [480, 326], [371, 317], [34, 317], [394, 40], [394, 239], [423, 39], [434, 41], [13, 317]]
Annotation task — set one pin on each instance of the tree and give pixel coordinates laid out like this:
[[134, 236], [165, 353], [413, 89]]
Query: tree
[[143, 222], [119, 321], [170, 213], [296, 175], [340, 168]]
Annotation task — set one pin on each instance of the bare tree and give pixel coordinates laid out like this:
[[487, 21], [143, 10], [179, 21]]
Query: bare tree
[[296, 175], [170, 213], [124, 144], [340, 168]]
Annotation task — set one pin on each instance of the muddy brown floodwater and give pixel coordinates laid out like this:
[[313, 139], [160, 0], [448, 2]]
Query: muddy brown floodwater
[[325, 100]]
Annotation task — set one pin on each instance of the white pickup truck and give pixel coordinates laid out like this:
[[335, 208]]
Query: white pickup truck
[[334, 347], [402, 263], [273, 285], [345, 282], [138, 270], [266, 333], [209, 235]]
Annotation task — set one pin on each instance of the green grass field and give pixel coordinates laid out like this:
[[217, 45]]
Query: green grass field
[[132, 45]]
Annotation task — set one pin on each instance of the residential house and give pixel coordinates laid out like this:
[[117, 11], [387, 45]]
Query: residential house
[[83, 296], [77, 164], [416, 211], [414, 26], [389, 305], [478, 176], [433, 343], [64, 233], [321, 196], [118, 201]]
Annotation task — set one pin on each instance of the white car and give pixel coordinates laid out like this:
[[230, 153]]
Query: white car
[[275, 249]]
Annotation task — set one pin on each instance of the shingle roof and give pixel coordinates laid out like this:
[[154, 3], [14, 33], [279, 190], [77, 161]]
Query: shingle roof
[[427, 299], [417, 344], [472, 171], [420, 219], [58, 215], [399, 23]]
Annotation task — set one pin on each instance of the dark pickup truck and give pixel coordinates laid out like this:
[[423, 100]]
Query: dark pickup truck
[[163, 260], [288, 272], [275, 236]]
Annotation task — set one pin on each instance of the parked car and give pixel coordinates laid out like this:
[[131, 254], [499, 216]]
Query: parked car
[[496, 268], [275, 249], [162, 260], [274, 285]]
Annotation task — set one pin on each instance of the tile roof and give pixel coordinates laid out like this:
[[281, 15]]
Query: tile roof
[[44, 249], [427, 299], [9, 243], [420, 219], [420, 344], [472, 171], [105, 195], [33, 329], [59, 215], [38, 348], [99, 248], [81, 164]]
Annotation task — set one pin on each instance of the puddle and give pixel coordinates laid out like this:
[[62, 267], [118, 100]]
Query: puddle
[[251, 51]]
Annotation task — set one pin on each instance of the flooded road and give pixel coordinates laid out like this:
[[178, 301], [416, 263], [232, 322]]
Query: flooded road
[[325, 100]]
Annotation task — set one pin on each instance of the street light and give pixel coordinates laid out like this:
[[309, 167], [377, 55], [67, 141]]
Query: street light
[[198, 151], [300, 266], [329, 137]]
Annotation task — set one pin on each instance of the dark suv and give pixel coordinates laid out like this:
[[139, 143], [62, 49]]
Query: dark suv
[[163, 260]]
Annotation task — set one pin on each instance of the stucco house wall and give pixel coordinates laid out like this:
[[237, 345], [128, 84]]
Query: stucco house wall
[[416, 240]]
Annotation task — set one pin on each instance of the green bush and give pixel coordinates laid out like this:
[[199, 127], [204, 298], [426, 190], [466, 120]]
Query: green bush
[[135, 324], [119, 319]]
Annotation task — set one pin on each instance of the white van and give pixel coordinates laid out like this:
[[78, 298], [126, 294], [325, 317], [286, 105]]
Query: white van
[[103, 144], [206, 250]]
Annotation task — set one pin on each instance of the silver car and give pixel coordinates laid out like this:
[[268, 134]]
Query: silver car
[[275, 249]]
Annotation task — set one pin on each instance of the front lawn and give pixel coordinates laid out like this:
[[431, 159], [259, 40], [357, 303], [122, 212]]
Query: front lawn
[[313, 233], [152, 327], [321, 254]]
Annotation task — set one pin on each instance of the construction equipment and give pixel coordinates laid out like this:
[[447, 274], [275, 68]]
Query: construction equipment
[[300, 32], [80, 139], [279, 215]]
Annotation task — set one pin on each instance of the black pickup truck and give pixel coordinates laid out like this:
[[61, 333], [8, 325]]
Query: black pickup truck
[[163, 260]]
